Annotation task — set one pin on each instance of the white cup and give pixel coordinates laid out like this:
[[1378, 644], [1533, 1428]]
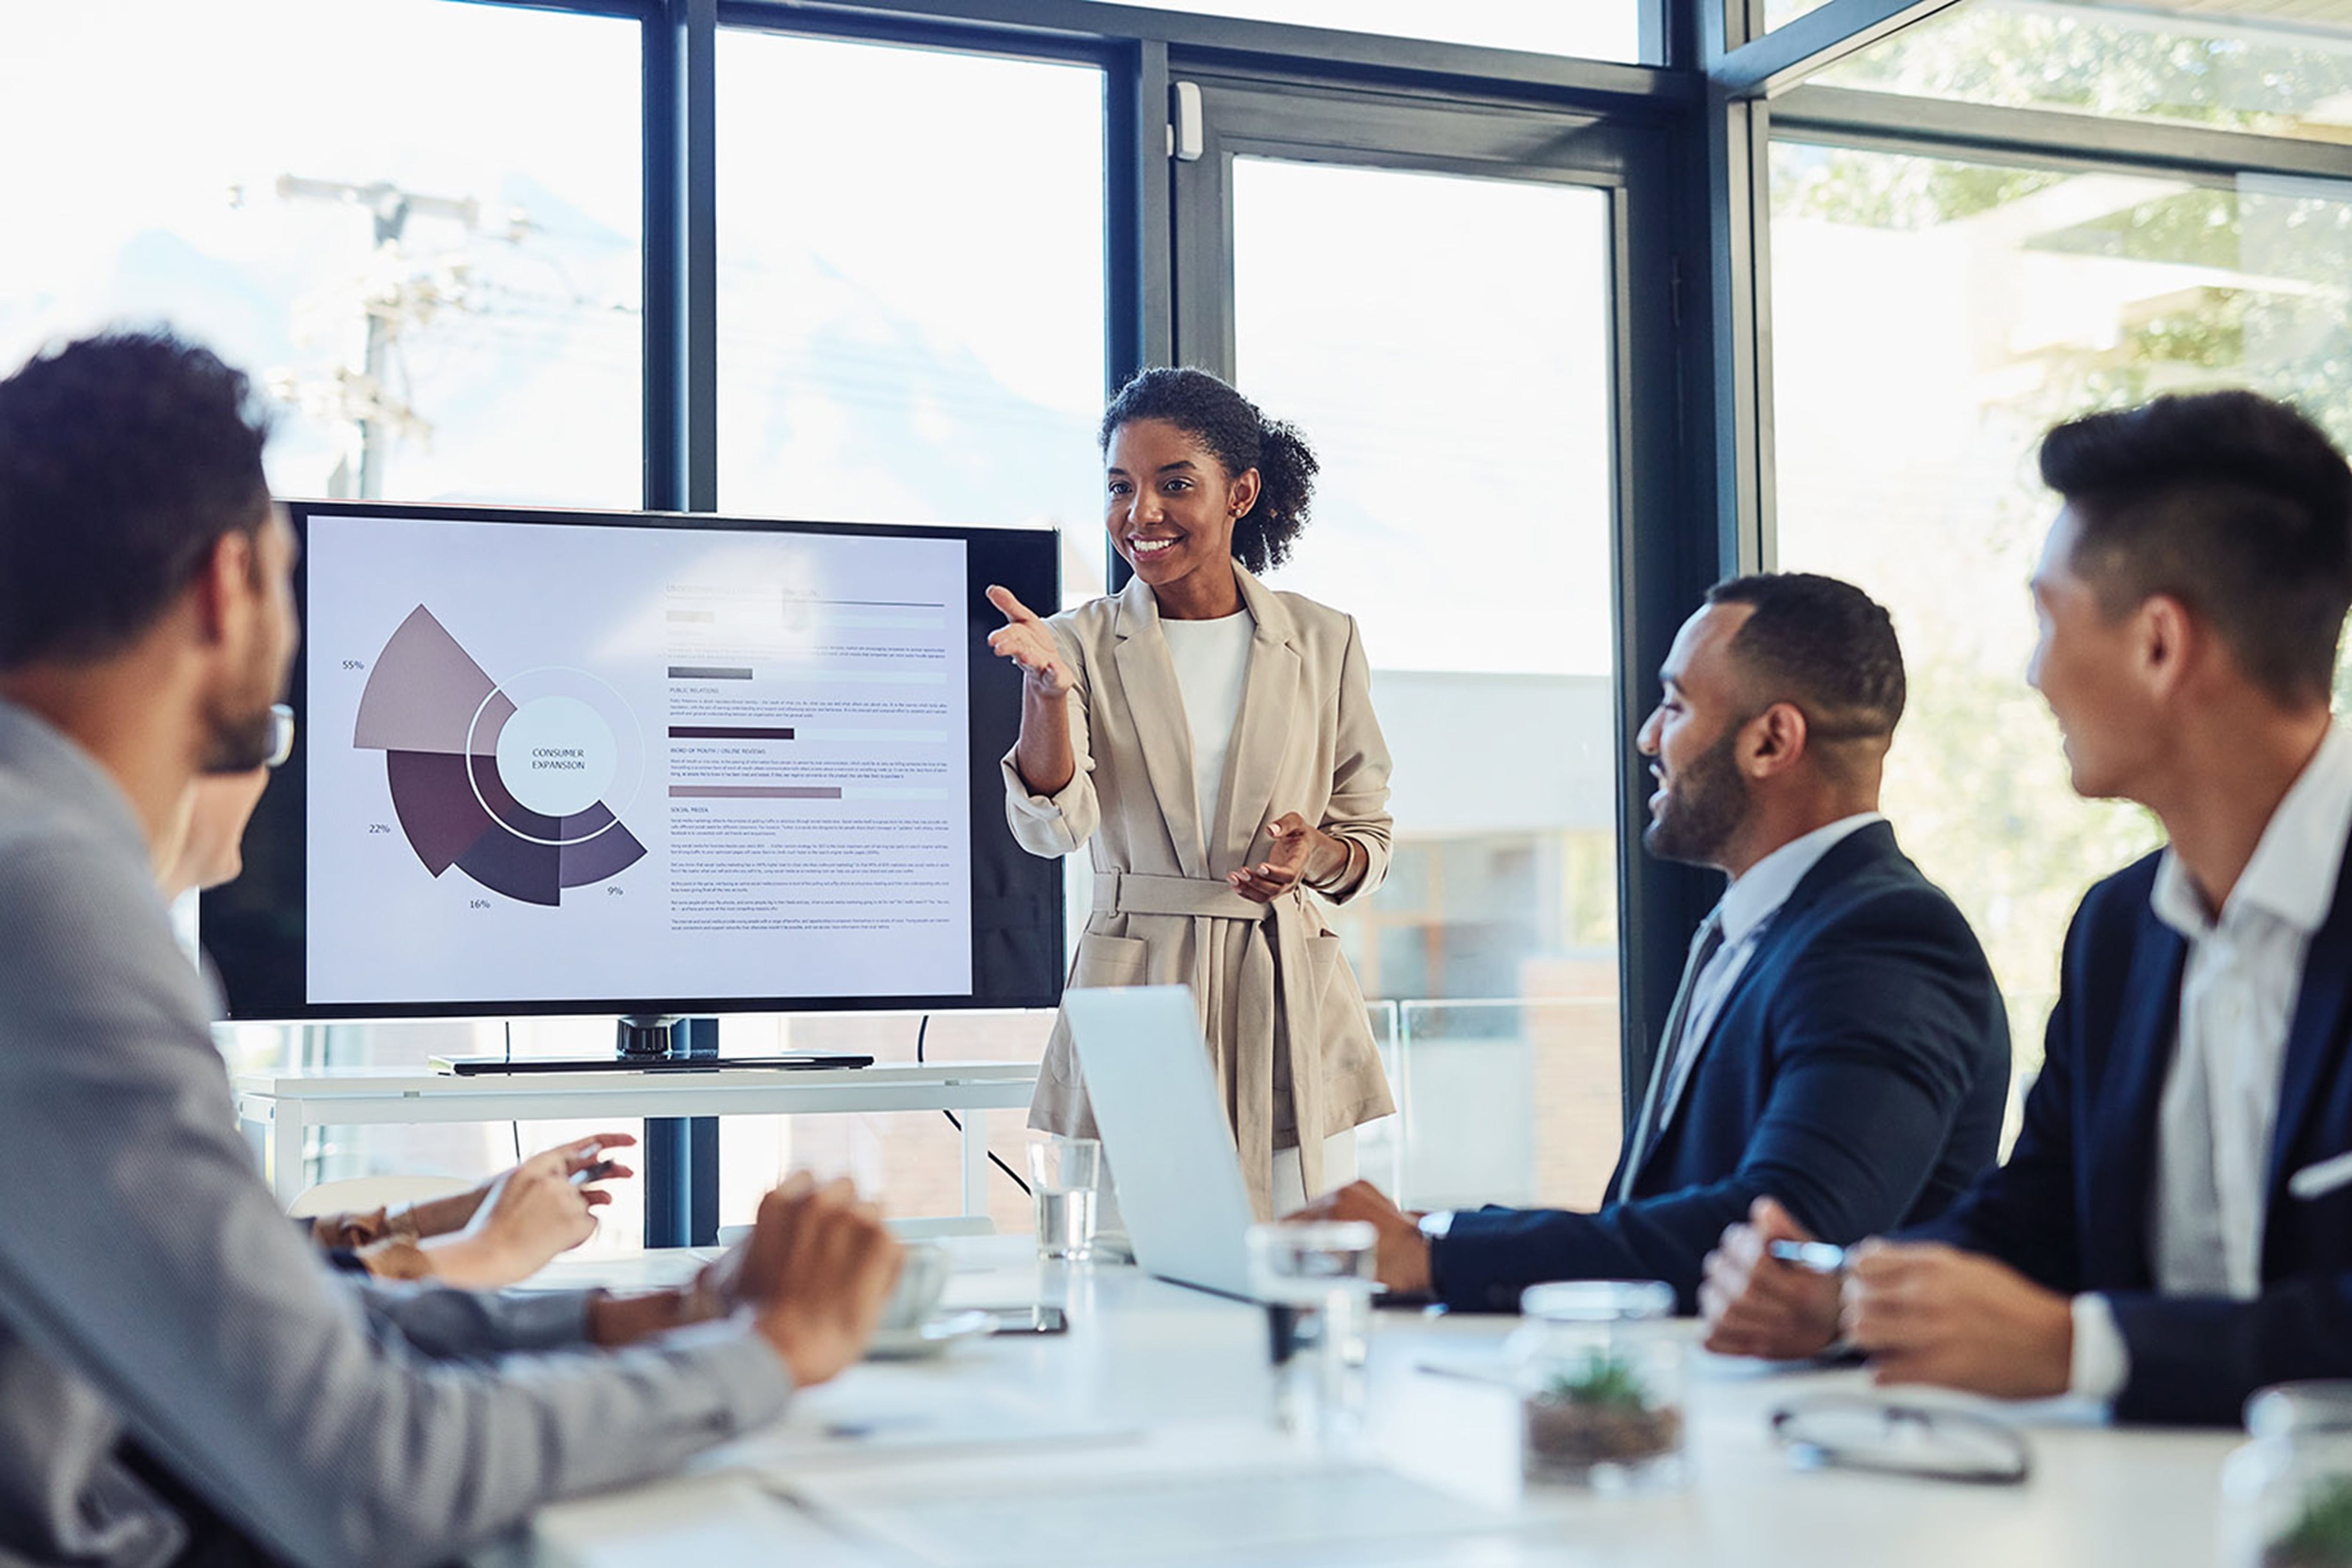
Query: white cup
[[922, 1281]]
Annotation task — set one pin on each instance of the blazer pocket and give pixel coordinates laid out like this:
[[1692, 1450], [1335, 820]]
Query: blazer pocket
[[1322, 962], [1101, 961], [1108, 961]]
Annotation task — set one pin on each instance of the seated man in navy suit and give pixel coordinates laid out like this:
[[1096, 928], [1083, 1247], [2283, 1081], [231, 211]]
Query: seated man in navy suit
[[2174, 1227], [1837, 1040]]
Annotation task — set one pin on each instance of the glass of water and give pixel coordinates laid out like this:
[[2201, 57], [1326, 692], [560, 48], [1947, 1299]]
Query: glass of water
[[1064, 1181], [1316, 1281]]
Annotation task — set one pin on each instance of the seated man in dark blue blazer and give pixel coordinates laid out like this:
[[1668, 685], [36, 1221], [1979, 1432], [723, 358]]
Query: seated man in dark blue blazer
[[1837, 1040], [2174, 1227]]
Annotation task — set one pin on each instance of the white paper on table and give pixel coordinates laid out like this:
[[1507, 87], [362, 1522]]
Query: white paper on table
[[877, 1414], [1230, 1496], [701, 1520]]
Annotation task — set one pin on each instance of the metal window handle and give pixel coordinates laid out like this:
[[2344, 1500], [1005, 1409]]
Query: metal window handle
[[1187, 136]]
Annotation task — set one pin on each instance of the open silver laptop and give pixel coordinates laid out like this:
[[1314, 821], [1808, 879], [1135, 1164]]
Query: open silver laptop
[[1180, 1182]]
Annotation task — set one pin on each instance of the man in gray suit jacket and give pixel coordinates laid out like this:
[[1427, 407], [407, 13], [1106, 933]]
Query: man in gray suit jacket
[[181, 1380]]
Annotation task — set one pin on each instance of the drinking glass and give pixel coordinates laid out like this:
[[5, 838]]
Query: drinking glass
[[1316, 1282], [1065, 1183]]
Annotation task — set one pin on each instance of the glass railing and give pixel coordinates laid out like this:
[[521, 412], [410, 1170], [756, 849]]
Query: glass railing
[[1506, 1100]]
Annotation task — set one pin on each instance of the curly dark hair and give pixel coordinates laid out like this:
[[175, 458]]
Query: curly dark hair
[[2236, 505], [124, 459], [1241, 438]]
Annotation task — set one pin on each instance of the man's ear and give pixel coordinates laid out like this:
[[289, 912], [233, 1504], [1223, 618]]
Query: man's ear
[[222, 584], [1773, 741], [2167, 642]]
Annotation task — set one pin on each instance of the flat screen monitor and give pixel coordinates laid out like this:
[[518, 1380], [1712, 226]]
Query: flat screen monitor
[[582, 762]]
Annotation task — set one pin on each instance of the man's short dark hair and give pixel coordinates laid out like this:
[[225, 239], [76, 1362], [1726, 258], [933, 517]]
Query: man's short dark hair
[[1823, 645], [124, 459], [2237, 506]]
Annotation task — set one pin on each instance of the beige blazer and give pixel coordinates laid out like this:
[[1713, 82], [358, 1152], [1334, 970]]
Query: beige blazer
[[1282, 1011]]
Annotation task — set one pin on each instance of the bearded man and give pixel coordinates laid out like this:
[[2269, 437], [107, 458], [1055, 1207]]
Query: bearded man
[[1837, 1044]]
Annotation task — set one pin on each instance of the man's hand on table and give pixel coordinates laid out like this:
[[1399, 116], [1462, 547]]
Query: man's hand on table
[[817, 1270], [1931, 1313], [1402, 1258], [1757, 1305]]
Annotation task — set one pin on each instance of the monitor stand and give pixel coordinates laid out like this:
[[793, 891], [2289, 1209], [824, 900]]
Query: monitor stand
[[641, 1037]]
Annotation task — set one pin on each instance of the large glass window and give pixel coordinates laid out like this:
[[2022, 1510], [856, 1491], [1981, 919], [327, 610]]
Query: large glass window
[[898, 339], [418, 223], [2283, 68], [1444, 345], [1931, 318], [1595, 29]]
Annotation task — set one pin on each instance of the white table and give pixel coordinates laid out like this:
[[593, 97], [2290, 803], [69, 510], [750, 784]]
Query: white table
[[1141, 1437], [277, 1109]]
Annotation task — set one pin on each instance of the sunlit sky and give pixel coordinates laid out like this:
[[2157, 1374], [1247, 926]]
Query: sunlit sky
[[535, 396]]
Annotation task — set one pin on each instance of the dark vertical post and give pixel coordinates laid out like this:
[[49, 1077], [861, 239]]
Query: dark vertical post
[[1140, 325], [1717, 498], [682, 1158], [681, 464]]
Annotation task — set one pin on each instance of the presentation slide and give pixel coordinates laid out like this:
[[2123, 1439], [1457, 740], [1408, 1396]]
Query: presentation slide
[[558, 761]]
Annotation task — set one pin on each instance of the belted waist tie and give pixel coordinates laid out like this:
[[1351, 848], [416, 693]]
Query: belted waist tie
[[1274, 965]]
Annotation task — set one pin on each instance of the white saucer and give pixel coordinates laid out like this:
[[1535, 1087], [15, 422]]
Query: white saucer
[[930, 1338]]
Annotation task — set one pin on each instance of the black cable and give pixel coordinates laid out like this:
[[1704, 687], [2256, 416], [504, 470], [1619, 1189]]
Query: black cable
[[923, 1029], [516, 1127]]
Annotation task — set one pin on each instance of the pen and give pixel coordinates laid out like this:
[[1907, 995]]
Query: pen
[[597, 1171], [1819, 1257]]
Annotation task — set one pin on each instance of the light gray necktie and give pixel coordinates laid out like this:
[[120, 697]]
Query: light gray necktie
[[1706, 942]]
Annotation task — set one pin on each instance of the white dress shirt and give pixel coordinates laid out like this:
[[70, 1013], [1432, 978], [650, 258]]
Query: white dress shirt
[[1212, 660], [1747, 908], [2238, 995]]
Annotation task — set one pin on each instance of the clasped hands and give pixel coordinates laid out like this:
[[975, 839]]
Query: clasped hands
[[1922, 1312]]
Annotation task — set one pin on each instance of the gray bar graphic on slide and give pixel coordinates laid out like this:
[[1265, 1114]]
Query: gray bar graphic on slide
[[708, 672], [754, 793]]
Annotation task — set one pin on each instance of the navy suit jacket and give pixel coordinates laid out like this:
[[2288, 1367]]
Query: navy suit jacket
[[2072, 1208], [1857, 1071]]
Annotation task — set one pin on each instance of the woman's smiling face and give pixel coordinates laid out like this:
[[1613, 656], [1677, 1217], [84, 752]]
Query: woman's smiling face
[[1169, 504]]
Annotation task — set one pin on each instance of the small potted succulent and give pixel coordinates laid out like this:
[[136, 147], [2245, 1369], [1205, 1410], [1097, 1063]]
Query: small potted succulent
[[2287, 1494], [2320, 1533], [1599, 1372]]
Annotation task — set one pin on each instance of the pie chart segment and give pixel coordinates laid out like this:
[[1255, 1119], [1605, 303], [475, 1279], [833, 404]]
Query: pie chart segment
[[609, 853], [450, 734], [424, 691], [435, 802], [515, 866], [510, 813], [489, 723]]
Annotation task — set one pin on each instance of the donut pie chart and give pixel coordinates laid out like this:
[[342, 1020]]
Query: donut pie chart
[[505, 793]]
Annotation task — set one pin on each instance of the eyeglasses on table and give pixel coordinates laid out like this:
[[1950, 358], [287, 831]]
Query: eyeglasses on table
[[1853, 1433]]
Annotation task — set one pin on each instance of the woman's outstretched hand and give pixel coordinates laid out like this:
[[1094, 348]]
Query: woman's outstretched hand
[[1301, 851], [1028, 642]]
